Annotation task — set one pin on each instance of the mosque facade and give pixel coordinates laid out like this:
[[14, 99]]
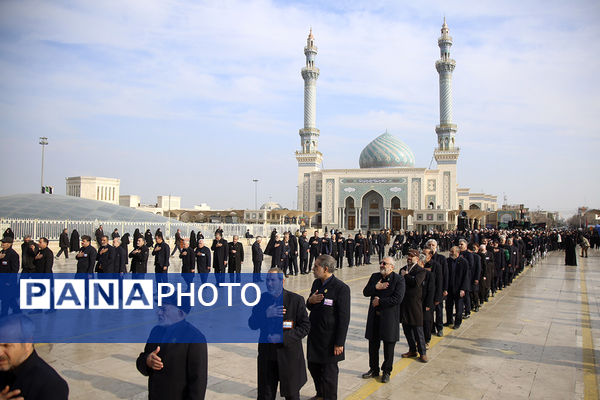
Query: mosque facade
[[387, 191]]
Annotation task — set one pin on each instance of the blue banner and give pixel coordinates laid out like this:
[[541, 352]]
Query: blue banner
[[136, 308]]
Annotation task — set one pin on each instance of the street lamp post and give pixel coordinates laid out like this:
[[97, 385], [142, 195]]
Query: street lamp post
[[255, 193], [44, 143]]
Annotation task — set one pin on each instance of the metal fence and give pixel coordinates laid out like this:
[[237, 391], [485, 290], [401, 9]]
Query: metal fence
[[52, 229]]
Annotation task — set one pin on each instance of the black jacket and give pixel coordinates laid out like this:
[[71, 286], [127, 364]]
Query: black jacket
[[289, 354], [74, 242], [443, 262], [36, 379], [188, 260], [139, 261], [387, 313], [304, 247], [458, 275], [329, 321], [161, 253], [412, 304], [257, 253], [437, 278], [44, 264], [106, 262], [10, 262], [87, 261], [220, 254], [63, 241], [120, 260], [185, 365], [315, 246], [203, 259], [27, 256]]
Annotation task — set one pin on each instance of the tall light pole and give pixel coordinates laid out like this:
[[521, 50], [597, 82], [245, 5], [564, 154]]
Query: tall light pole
[[255, 193], [44, 143]]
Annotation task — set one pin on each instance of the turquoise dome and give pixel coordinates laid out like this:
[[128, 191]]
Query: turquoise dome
[[386, 151]]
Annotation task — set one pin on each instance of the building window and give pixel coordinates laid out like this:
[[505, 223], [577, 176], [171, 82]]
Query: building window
[[440, 217], [429, 217], [419, 217]]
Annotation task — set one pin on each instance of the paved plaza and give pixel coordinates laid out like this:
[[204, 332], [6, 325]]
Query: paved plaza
[[531, 341]]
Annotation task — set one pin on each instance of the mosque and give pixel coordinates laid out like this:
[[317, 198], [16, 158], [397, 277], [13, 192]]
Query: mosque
[[387, 191]]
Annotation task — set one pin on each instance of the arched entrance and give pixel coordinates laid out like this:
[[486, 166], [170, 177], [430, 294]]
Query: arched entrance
[[350, 214], [372, 212], [396, 219]]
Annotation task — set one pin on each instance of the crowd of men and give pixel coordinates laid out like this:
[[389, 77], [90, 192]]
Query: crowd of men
[[479, 264]]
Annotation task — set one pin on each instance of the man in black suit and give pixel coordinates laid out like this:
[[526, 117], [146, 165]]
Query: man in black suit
[[139, 257], [23, 374], [441, 285], [175, 358], [236, 259], [86, 258], [386, 291], [304, 249], [63, 243], [120, 257], [203, 260], [257, 257], [44, 259], [105, 261], [329, 306], [315, 249], [412, 306], [280, 358], [458, 287], [161, 258]]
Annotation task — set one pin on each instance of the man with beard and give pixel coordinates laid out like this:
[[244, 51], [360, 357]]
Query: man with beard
[[386, 291], [161, 259], [86, 258], [29, 249], [203, 260], [329, 306], [257, 258], [304, 251], [139, 258], [188, 262], [175, 358], [350, 245], [441, 285], [63, 243], [280, 356], [315, 249], [120, 257], [44, 259], [326, 245], [412, 307], [220, 253], [236, 259], [105, 261], [458, 287]]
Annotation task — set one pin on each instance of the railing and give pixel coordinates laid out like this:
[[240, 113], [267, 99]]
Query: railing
[[52, 229]]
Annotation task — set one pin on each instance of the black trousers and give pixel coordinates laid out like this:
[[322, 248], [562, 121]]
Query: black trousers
[[63, 250], [467, 302], [358, 258], [340, 261], [452, 301], [388, 355], [367, 258], [415, 338], [268, 378], [439, 316], [325, 377], [381, 252], [294, 264], [427, 324], [304, 263], [311, 259], [475, 297], [351, 261]]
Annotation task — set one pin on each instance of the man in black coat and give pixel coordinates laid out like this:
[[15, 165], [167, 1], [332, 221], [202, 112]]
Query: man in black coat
[[430, 292], [358, 249], [139, 257], [98, 234], [280, 358], [22, 371], [329, 306], [381, 239], [276, 247], [63, 243], [315, 249], [44, 259], [202, 260], [440, 285], [175, 358], [120, 257], [86, 258], [9, 264], [257, 257], [339, 245], [235, 259], [188, 262], [386, 291], [220, 253], [326, 246], [412, 306], [177, 245], [304, 250], [475, 277], [350, 245], [458, 287], [294, 253], [105, 261], [464, 252], [161, 258], [29, 248]]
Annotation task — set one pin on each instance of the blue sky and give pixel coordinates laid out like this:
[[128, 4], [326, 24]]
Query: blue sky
[[198, 98]]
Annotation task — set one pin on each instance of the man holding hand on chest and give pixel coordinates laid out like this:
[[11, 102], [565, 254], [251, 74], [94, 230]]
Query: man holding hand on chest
[[329, 306]]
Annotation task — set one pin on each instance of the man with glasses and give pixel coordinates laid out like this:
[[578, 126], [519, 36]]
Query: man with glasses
[[386, 291]]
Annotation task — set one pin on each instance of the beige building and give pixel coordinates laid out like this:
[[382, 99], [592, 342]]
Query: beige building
[[94, 188]]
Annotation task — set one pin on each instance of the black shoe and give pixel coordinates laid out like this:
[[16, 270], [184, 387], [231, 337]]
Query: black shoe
[[385, 377], [440, 333], [467, 316], [449, 323], [370, 374], [456, 326]]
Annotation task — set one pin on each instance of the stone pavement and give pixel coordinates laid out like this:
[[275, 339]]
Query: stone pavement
[[532, 341]]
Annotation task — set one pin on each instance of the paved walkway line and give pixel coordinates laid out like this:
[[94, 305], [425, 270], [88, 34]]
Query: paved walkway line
[[589, 363]]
